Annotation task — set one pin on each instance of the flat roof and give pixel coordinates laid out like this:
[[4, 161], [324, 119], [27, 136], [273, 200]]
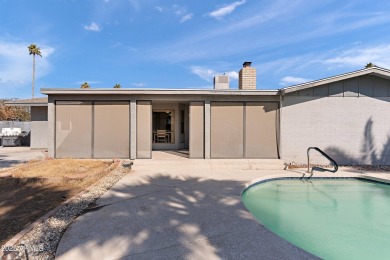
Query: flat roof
[[129, 91], [36, 102]]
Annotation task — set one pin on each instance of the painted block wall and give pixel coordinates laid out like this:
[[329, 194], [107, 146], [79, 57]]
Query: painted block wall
[[354, 129], [39, 132], [39, 128]]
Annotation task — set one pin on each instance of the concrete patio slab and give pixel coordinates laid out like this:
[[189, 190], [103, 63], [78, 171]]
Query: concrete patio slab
[[12, 156], [181, 212]]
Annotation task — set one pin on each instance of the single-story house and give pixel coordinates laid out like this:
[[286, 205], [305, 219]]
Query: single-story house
[[347, 116]]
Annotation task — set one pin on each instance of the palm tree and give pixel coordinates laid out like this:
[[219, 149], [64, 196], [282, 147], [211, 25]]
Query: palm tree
[[370, 65], [117, 86], [85, 85], [34, 50]]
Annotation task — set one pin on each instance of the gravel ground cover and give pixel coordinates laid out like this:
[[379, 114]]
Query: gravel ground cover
[[31, 190], [42, 241]]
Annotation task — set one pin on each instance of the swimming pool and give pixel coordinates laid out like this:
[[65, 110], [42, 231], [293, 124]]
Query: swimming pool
[[332, 219]]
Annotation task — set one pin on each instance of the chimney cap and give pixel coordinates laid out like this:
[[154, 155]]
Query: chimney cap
[[247, 64]]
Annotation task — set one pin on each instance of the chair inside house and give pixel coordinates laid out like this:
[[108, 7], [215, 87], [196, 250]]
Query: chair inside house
[[162, 136]]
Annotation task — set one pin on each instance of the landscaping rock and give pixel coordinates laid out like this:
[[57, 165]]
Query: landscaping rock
[[42, 241]]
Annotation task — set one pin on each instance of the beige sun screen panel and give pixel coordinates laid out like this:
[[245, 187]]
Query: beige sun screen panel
[[196, 130], [261, 128], [73, 130], [227, 120], [144, 129], [111, 130]]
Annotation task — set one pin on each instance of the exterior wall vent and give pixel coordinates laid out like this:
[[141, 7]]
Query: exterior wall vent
[[221, 82]]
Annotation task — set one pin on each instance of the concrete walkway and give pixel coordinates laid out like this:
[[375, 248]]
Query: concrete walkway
[[12, 156], [186, 210]]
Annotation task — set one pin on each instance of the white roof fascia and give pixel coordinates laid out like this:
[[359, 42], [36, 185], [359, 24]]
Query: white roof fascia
[[100, 91], [373, 70]]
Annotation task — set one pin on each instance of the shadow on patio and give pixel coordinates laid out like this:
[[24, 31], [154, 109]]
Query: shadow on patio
[[166, 217]]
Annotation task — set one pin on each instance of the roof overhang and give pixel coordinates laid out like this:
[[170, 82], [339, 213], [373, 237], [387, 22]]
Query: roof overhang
[[374, 71], [124, 91]]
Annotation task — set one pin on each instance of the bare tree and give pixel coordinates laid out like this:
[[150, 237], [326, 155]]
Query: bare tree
[[13, 112]]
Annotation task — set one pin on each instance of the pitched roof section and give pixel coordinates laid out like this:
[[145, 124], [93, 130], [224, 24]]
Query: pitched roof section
[[36, 102], [375, 71]]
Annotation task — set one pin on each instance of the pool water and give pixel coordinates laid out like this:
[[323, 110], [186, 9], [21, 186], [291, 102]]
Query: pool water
[[332, 219]]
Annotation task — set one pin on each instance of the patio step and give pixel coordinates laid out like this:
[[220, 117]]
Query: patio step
[[233, 164]]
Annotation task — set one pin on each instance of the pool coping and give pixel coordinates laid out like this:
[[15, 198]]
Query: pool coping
[[310, 176]]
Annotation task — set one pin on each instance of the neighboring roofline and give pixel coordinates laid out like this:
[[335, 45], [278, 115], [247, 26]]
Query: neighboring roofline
[[112, 91], [376, 71], [38, 102]]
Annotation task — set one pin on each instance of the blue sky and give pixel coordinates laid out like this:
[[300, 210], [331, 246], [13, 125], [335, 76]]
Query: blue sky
[[183, 44]]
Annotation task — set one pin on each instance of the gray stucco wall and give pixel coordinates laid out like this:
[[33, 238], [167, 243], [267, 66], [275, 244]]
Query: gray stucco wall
[[39, 131], [39, 128], [349, 120]]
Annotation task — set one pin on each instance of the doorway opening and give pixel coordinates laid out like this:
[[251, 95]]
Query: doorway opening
[[164, 126], [170, 127]]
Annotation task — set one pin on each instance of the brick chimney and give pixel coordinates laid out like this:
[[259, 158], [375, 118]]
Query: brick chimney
[[247, 77]]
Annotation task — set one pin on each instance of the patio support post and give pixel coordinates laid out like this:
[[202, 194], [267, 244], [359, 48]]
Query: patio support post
[[51, 126], [133, 129], [207, 129]]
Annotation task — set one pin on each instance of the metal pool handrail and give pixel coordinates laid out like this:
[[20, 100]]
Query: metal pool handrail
[[336, 167]]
